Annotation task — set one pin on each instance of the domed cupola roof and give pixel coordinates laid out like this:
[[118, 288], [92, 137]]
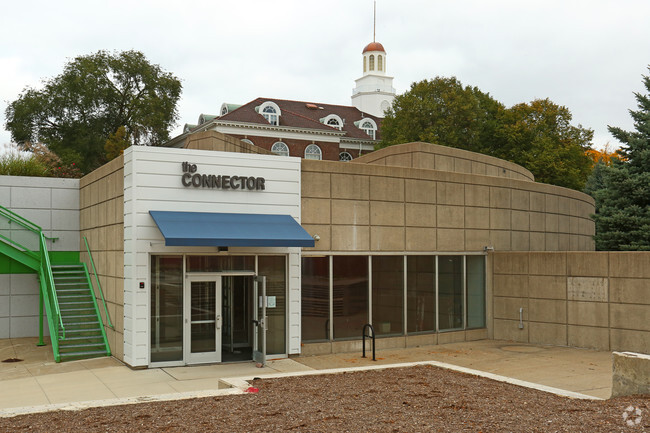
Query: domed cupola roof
[[374, 46]]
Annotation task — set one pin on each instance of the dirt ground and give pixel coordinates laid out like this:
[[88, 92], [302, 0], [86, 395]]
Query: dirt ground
[[416, 399]]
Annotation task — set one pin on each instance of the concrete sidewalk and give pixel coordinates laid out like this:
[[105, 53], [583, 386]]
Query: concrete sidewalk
[[38, 380]]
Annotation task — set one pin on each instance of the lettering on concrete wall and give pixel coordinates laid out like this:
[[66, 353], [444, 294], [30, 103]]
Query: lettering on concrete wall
[[191, 178], [587, 289]]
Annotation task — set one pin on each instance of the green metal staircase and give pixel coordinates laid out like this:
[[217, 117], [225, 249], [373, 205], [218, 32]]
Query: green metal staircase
[[74, 320]]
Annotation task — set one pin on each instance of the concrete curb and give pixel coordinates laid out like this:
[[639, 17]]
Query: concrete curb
[[241, 383], [73, 406]]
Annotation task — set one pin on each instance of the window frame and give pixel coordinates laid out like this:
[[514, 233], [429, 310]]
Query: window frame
[[280, 152], [313, 146]]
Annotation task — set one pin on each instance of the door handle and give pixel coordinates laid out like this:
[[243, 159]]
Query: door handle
[[218, 321]]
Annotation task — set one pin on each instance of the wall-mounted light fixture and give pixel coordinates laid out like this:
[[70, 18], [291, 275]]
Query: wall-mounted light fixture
[[488, 248], [316, 238]]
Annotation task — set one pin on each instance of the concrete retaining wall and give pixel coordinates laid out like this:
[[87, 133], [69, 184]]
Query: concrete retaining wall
[[598, 300], [52, 204]]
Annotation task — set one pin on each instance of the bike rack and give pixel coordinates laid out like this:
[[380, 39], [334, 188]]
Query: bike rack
[[363, 337]]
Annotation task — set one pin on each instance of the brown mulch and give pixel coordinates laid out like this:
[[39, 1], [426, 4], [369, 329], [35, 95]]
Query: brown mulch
[[416, 399]]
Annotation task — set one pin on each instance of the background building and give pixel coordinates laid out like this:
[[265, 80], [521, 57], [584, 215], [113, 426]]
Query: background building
[[309, 130]]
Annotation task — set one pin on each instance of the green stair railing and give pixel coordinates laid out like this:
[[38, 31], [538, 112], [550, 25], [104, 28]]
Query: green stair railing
[[99, 286], [38, 259]]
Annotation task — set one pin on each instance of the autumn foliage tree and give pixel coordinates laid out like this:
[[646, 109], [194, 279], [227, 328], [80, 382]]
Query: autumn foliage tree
[[537, 135]]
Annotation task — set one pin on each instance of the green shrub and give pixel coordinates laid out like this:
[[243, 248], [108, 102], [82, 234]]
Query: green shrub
[[12, 164]]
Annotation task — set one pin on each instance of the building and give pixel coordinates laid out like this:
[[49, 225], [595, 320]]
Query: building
[[231, 253], [309, 130]]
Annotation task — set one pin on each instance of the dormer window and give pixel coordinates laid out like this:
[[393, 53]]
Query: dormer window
[[333, 120], [271, 115], [271, 112], [368, 126]]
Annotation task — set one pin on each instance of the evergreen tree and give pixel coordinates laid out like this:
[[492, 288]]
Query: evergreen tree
[[623, 192]]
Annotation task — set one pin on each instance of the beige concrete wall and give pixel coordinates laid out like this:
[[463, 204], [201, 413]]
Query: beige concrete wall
[[597, 300], [102, 222], [375, 208], [443, 158], [213, 140]]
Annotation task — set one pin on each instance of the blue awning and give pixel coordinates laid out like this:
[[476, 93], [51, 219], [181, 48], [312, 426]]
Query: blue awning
[[205, 229]]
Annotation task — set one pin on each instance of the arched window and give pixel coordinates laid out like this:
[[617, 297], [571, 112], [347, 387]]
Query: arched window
[[335, 123], [313, 152], [280, 148], [224, 109], [246, 140], [270, 114], [270, 111], [333, 120], [364, 63], [345, 156], [372, 62], [380, 63], [368, 126]]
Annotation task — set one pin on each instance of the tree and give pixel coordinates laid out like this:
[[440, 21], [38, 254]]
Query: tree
[[537, 135], [622, 192], [540, 137], [75, 112], [442, 111]]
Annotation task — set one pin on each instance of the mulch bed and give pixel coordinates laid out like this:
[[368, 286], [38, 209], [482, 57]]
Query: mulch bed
[[416, 399]]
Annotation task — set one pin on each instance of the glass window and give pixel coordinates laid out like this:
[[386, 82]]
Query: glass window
[[421, 294], [379, 63], [475, 291], [220, 263], [388, 295], [345, 156], [313, 152], [273, 267], [334, 122], [246, 140], [364, 63], [350, 295], [369, 128], [450, 292], [166, 308], [270, 114], [372, 62], [280, 148], [315, 298]]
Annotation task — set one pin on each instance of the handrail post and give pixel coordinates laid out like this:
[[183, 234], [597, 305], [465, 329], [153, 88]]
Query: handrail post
[[369, 335], [99, 286], [40, 319]]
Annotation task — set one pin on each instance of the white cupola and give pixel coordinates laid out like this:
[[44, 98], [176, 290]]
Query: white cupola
[[374, 91]]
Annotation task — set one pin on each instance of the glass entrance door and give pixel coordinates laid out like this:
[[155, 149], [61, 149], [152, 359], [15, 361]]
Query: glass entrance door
[[203, 320], [260, 320]]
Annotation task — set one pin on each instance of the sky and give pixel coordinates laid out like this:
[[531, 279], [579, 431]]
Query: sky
[[586, 55]]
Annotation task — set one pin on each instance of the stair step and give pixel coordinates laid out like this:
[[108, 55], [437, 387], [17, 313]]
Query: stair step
[[74, 346], [86, 354], [68, 310], [92, 339], [78, 316], [91, 331], [77, 326], [65, 301]]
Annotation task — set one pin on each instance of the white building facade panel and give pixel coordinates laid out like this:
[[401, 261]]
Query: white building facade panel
[[153, 180]]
